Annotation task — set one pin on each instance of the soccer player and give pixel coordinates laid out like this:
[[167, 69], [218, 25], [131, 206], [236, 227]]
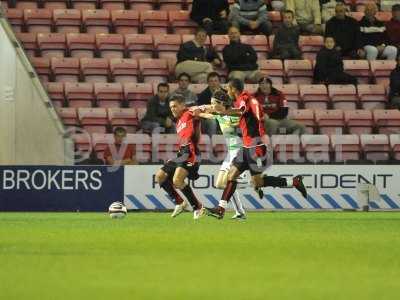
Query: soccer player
[[186, 165], [253, 155]]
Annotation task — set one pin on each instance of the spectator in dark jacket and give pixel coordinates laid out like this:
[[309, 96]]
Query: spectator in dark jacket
[[393, 26], [286, 42], [374, 36], [329, 66], [240, 59], [276, 109], [346, 32], [394, 95], [211, 15], [158, 114], [195, 59]]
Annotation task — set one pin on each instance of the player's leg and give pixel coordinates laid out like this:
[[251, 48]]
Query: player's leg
[[273, 181], [221, 181]]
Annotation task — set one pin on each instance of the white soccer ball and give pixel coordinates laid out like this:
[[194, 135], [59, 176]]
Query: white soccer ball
[[117, 210]]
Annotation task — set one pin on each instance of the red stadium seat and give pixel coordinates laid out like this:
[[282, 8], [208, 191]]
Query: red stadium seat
[[154, 69], [123, 117], [100, 142], [125, 21], [110, 45], [275, 17], [316, 147], [142, 144], [310, 45], [287, 148], [38, 20], [55, 90], [372, 96], [28, 41], [68, 115], [343, 96], [359, 121], [291, 92], [96, 20], [112, 4], [84, 4], [258, 42], [330, 121], [154, 21], [67, 20], [218, 142], [32, 4], [273, 68], [81, 44], [109, 94], [190, 37], [205, 147], [381, 70], [181, 23], [387, 121], [314, 96], [170, 5], [165, 146], [16, 18], [95, 69], [299, 71], [167, 45], [124, 70], [345, 147], [93, 119], [375, 146], [83, 142], [305, 117], [141, 5], [79, 94], [139, 45], [395, 145], [51, 44], [42, 67], [56, 4], [359, 69], [137, 94]]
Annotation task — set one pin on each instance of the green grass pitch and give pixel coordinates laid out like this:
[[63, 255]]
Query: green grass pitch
[[150, 256]]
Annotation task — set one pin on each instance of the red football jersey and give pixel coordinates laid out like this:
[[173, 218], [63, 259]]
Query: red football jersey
[[252, 120], [189, 130]]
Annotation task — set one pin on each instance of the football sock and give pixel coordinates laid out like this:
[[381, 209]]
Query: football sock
[[237, 203], [188, 192], [229, 190], [275, 181], [169, 188]]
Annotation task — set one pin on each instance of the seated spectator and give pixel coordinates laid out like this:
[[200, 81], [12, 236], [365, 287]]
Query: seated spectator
[[393, 27], [276, 109], [211, 15], [120, 153], [329, 66], [394, 95], [286, 42], [307, 14], [346, 32], [91, 160], [327, 9], [373, 35], [240, 59], [158, 114], [250, 15], [184, 91], [195, 59]]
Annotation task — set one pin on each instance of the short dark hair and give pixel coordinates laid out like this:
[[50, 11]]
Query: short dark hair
[[223, 97], [119, 130], [184, 74], [288, 11], [211, 75], [237, 84], [177, 98], [162, 84], [200, 29], [265, 79], [396, 7]]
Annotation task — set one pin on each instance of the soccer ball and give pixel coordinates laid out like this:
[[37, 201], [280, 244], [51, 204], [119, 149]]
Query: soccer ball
[[117, 210]]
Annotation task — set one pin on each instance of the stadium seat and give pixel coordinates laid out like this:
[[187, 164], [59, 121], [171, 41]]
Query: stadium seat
[[51, 44], [170, 5], [28, 41], [125, 21], [93, 119], [84, 4], [258, 42], [68, 115], [16, 18], [330, 121], [79, 94], [345, 147], [314, 96], [143, 147], [299, 71], [81, 45], [190, 37], [38, 20], [316, 147], [55, 4], [165, 146], [153, 69], [275, 17], [112, 4], [100, 142], [305, 117], [273, 68], [292, 95], [287, 148], [27, 4], [141, 5], [372, 96], [83, 142], [395, 145], [139, 45], [108, 94], [310, 45], [42, 67], [359, 69], [381, 70], [110, 45], [387, 120], [55, 90], [141, 112], [219, 42], [375, 147], [154, 21], [343, 96], [359, 121], [124, 70], [205, 147], [123, 117], [67, 20], [181, 23], [167, 45], [137, 94], [95, 69], [218, 142], [96, 20]]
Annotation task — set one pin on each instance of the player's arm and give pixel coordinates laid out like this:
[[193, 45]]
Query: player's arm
[[206, 116], [256, 108]]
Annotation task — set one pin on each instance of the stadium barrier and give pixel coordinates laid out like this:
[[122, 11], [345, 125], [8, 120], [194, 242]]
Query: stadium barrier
[[87, 188]]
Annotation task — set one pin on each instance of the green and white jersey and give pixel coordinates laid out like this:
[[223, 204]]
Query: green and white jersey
[[228, 126]]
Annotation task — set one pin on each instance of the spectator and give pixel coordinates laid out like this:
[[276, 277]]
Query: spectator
[[184, 91], [307, 14], [276, 109], [327, 9], [158, 114], [346, 32], [393, 27], [195, 59], [286, 43], [250, 15], [394, 95], [211, 15], [373, 35], [91, 160], [277, 5], [120, 153], [329, 66], [240, 59]]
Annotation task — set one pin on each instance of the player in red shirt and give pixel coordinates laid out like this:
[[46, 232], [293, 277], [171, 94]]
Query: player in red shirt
[[186, 165], [253, 156]]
